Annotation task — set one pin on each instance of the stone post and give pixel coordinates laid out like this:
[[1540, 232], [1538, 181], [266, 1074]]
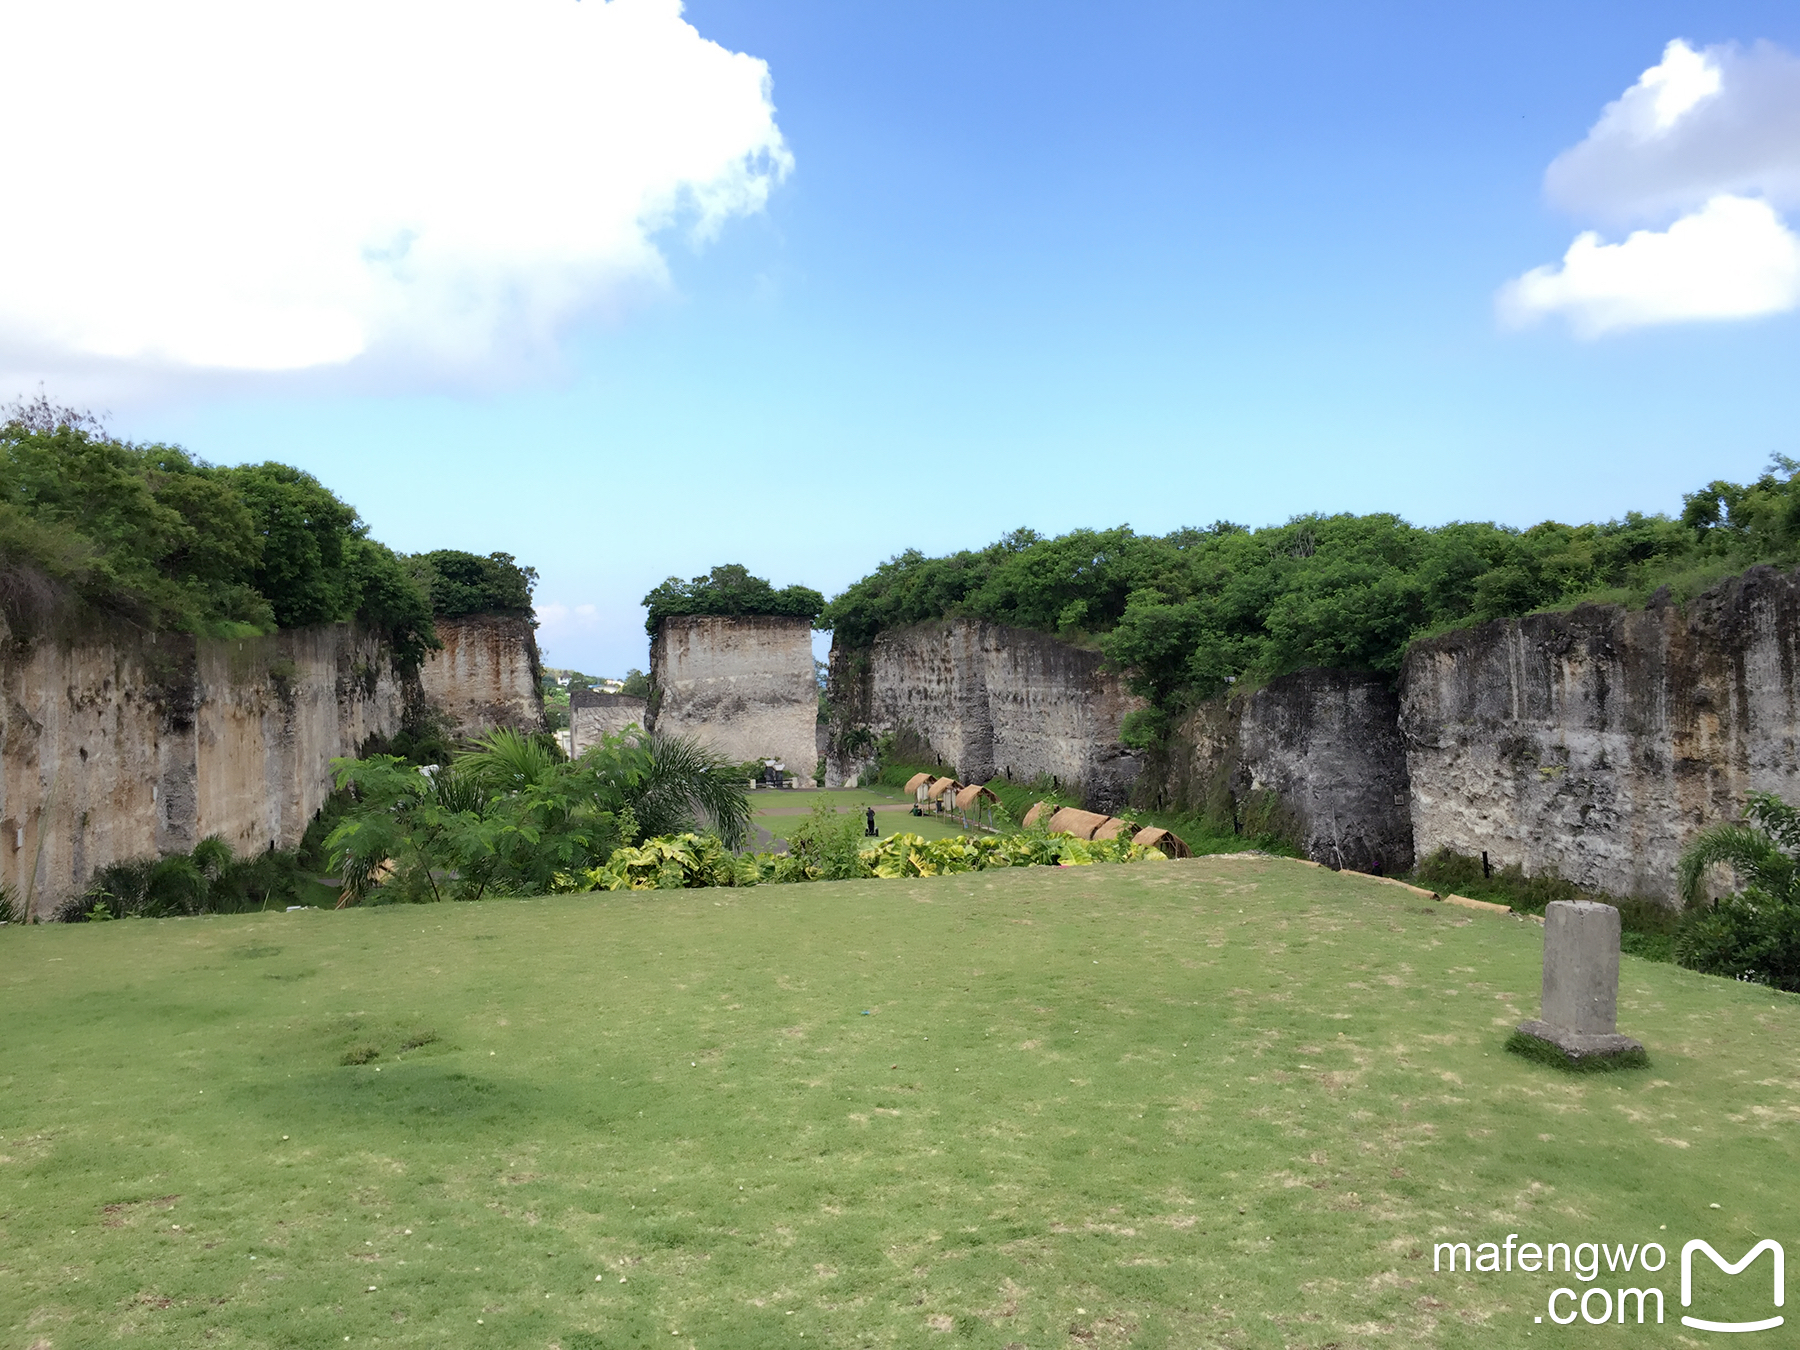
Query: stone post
[[1581, 986]]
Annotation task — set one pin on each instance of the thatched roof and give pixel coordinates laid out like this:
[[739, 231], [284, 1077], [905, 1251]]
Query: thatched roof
[[1041, 809], [912, 784], [972, 794], [1157, 837], [939, 786], [1081, 824], [1114, 827]]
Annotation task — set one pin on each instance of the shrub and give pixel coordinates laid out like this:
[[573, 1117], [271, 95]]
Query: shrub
[[210, 880], [1753, 934], [728, 590]]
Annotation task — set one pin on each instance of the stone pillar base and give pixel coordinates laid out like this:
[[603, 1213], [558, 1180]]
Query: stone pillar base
[[1577, 1049]]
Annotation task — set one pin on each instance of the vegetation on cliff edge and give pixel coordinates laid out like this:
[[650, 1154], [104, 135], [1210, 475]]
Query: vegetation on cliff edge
[[153, 536], [1186, 614], [728, 590]]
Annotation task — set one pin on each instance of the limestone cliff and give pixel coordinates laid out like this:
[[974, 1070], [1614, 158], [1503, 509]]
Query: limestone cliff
[[1595, 743], [989, 700], [118, 745], [593, 716], [743, 685], [1315, 757], [486, 675]]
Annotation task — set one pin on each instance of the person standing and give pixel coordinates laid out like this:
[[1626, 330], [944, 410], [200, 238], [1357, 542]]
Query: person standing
[[869, 831]]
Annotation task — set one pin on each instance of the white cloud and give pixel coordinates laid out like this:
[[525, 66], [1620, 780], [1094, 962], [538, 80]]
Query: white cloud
[[1696, 125], [1706, 145], [1732, 259], [440, 185]]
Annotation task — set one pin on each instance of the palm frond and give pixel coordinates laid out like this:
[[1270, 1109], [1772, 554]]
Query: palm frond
[[507, 760], [1748, 851], [685, 784]]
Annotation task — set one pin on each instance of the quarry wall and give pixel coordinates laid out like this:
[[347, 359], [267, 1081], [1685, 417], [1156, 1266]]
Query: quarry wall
[[1315, 757], [594, 715], [743, 685], [116, 744], [1597, 742], [988, 700], [123, 746], [486, 675]]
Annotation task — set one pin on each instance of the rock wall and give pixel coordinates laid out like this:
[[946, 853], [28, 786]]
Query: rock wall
[[486, 675], [123, 746], [1315, 756], [743, 685], [1596, 743], [989, 700], [593, 716]]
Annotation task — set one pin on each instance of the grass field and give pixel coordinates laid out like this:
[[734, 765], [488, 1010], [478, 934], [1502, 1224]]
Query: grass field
[[1224, 1102], [779, 811]]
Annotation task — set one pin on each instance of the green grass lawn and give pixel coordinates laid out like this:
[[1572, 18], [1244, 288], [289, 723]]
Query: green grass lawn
[[779, 811], [1225, 1102]]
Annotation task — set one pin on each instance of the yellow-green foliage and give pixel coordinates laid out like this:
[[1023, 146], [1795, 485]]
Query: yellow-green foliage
[[682, 861], [908, 855], [672, 863]]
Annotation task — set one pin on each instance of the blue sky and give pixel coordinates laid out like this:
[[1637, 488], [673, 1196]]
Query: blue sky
[[1056, 265]]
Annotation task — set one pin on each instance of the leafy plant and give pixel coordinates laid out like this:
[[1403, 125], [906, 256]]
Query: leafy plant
[[1187, 614], [1752, 934], [511, 816], [728, 590]]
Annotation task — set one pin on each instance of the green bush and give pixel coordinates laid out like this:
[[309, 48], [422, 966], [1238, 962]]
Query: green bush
[[166, 541], [467, 583], [728, 590], [1188, 613], [1753, 934], [210, 880]]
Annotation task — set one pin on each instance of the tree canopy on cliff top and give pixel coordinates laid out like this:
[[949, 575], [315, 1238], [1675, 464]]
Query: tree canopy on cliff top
[[1185, 614], [729, 590], [151, 535], [467, 583]]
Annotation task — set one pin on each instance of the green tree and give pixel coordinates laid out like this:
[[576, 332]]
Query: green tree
[[1753, 934], [728, 590]]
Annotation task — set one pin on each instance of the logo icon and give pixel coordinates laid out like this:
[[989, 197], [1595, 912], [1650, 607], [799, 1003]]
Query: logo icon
[[1687, 1283]]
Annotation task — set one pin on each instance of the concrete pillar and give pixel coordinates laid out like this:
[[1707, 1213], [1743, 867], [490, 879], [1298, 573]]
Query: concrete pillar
[[1581, 987], [1581, 966]]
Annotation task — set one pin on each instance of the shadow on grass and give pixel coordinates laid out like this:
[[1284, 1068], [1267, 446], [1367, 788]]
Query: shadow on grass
[[1542, 1052]]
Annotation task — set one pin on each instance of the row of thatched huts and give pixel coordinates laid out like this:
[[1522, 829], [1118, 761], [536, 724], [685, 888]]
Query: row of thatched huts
[[1093, 825], [970, 801], [973, 800]]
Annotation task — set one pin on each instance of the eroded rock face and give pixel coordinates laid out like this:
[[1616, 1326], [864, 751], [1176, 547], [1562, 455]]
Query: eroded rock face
[[1315, 756], [1596, 743], [743, 685], [486, 675], [593, 716], [120, 746], [989, 700]]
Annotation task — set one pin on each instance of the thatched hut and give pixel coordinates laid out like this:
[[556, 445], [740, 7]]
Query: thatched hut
[[1157, 837], [940, 786], [1081, 824], [1114, 827], [1037, 813], [978, 800], [917, 781]]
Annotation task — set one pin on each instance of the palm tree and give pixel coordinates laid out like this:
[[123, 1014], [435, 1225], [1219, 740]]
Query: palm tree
[[1755, 934], [670, 784], [1763, 853], [679, 784]]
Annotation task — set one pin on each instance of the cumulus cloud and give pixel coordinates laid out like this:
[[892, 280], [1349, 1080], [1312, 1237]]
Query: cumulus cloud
[[1732, 259], [441, 185], [1697, 125], [1706, 144]]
